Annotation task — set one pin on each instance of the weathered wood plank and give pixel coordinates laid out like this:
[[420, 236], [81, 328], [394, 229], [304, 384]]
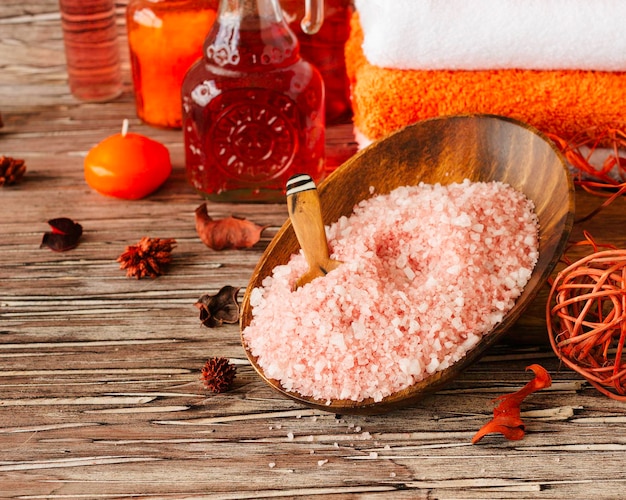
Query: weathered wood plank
[[100, 390]]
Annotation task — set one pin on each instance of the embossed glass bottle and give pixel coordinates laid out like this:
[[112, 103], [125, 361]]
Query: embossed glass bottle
[[253, 109]]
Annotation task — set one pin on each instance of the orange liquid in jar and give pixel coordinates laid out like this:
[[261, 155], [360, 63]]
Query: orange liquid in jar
[[253, 120], [165, 38]]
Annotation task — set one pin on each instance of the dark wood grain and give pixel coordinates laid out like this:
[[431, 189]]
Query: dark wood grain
[[100, 390]]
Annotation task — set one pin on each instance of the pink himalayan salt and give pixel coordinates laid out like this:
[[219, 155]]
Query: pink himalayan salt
[[427, 271]]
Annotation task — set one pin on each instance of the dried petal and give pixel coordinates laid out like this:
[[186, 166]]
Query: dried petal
[[231, 232], [64, 235], [219, 308], [147, 258], [506, 416], [218, 374]]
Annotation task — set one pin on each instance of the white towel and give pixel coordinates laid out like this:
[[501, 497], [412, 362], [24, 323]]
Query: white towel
[[494, 34]]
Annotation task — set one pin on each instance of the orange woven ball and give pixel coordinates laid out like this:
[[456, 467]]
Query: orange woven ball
[[586, 317]]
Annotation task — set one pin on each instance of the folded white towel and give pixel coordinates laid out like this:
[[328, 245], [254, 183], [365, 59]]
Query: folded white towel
[[495, 34]]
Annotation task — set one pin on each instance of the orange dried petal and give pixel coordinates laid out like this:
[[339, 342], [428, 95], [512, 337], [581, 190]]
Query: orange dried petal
[[506, 416]]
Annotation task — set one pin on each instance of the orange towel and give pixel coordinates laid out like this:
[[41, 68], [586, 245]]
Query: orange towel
[[560, 102]]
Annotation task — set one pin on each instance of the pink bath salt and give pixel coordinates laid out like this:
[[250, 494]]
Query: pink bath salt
[[427, 271]]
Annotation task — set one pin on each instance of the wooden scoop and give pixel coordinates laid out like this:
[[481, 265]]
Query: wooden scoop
[[303, 204]]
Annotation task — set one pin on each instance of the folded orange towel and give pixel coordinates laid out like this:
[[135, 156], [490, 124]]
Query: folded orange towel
[[560, 102]]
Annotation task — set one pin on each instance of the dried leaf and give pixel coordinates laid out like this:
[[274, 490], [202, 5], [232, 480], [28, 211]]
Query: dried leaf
[[219, 308], [228, 233], [506, 416], [64, 235]]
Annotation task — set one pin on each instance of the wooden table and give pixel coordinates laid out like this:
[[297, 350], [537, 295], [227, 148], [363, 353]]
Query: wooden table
[[100, 390]]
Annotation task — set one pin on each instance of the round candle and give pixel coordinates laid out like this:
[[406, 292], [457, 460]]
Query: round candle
[[127, 165]]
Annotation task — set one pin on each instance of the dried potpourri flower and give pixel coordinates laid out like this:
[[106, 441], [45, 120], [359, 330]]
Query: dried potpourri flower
[[607, 180], [506, 416], [147, 258], [586, 317], [11, 170], [219, 308], [218, 374], [64, 235], [229, 233]]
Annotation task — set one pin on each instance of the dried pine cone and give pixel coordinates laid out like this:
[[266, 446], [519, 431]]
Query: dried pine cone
[[11, 170], [218, 374], [147, 258]]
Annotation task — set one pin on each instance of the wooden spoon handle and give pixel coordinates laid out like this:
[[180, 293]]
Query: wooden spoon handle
[[303, 205]]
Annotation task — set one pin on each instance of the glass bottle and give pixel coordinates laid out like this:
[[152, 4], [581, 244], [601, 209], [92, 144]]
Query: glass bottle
[[91, 49], [253, 109], [165, 38], [325, 49]]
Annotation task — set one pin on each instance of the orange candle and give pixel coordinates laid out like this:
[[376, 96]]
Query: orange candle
[[165, 38], [127, 165]]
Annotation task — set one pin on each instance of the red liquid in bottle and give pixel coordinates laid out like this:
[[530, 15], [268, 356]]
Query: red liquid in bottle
[[253, 112], [325, 49]]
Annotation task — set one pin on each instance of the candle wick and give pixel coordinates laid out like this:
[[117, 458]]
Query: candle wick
[[124, 127]]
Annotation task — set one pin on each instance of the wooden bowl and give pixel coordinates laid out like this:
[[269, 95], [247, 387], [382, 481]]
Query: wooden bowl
[[445, 150]]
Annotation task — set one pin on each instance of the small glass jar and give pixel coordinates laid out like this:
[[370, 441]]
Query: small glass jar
[[165, 38], [91, 49]]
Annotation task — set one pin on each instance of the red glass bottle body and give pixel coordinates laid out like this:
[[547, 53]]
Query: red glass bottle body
[[325, 50], [253, 110]]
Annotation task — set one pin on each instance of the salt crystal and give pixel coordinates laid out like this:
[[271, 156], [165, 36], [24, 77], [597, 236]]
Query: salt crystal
[[431, 282], [455, 269], [462, 220], [422, 307], [255, 297], [433, 365], [322, 462], [272, 465], [409, 273]]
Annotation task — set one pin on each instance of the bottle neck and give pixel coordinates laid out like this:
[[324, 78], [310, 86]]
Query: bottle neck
[[251, 35], [251, 13]]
